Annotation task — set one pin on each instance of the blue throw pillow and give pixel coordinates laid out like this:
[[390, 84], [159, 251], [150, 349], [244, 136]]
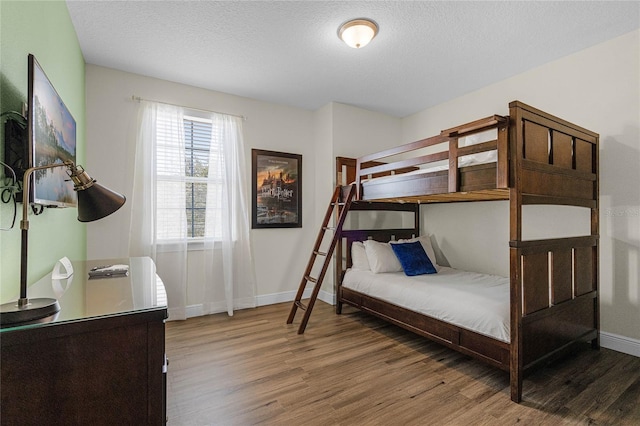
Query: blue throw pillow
[[413, 258]]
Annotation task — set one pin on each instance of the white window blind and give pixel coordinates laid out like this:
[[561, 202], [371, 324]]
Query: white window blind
[[188, 161]]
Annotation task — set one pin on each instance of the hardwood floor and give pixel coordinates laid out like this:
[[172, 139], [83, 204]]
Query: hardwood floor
[[353, 369]]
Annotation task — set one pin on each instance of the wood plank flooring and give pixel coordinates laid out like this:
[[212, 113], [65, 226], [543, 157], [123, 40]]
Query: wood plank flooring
[[353, 369]]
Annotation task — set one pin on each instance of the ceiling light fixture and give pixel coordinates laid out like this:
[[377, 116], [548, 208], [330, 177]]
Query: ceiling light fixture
[[358, 33]]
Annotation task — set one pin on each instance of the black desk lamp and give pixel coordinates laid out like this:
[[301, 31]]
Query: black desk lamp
[[94, 202]]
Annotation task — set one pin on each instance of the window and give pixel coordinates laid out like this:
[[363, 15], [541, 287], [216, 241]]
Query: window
[[202, 179], [197, 139]]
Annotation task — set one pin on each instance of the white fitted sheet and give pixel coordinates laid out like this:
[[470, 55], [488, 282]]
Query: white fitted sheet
[[478, 302], [464, 161]]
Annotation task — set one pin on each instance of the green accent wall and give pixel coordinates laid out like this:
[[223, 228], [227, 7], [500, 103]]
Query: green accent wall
[[43, 28]]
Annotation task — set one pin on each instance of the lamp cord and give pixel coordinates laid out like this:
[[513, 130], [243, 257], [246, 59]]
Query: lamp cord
[[15, 115], [8, 192]]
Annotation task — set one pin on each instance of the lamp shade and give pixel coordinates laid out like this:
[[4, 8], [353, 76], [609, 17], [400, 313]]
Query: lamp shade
[[96, 202]]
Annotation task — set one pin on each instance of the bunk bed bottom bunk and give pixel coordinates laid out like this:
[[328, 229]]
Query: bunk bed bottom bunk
[[385, 295], [471, 300], [544, 336], [453, 307]]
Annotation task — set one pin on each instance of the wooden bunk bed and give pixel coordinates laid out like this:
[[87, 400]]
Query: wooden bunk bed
[[541, 159]]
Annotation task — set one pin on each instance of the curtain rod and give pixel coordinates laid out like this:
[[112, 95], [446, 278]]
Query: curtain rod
[[138, 99]]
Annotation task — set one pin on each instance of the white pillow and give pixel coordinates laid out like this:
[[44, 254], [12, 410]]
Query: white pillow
[[426, 245], [359, 257], [381, 257]]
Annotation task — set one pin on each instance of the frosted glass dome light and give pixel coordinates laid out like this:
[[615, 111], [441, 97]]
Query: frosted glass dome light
[[358, 33]]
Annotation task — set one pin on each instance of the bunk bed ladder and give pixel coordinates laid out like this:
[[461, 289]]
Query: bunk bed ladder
[[342, 208]]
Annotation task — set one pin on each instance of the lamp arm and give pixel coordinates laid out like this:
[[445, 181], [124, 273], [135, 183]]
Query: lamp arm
[[24, 224]]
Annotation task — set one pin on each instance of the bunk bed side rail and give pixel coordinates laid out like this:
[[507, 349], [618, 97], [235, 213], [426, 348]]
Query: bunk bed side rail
[[371, 165], [346, 170]]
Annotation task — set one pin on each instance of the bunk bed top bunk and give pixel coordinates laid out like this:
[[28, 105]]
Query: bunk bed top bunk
[[536, 158], [556, 152]]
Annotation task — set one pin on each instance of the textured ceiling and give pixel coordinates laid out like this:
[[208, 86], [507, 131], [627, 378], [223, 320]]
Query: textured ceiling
[[288, 52]]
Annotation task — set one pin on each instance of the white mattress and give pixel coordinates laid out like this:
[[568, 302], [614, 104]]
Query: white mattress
[[478, 302], [464, 161]]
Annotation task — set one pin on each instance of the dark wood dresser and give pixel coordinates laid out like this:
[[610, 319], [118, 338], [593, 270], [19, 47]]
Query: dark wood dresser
[[100, 360]]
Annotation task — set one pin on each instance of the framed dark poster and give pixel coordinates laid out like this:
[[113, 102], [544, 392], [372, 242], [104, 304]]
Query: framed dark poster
[[276, 189]]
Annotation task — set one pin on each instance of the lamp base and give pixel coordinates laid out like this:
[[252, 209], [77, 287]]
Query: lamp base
[[11, 313]]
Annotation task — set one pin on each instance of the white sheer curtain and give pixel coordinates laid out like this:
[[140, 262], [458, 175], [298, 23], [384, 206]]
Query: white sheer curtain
[[229, 268], [158, 201], [218, 271]]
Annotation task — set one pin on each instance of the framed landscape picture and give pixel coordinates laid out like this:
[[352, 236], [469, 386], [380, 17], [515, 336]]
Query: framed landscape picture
[[276, 189]]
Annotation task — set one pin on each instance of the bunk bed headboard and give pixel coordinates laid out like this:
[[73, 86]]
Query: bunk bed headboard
[[349, 236], [554, 282], [556, 161]]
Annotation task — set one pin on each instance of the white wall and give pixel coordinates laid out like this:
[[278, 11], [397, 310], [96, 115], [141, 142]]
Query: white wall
[[357, 131], [354, 132], [599, 89], [280, 254], [323, 127]]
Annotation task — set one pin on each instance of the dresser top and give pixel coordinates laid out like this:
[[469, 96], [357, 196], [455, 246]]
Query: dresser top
[[82, 298]]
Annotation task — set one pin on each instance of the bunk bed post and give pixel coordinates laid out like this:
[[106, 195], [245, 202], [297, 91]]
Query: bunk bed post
[[516, 366], [338, 275], [358, 185], [416, 219], [347, 170], [502, 169], [344, 175], [454, 184], [595, 231]]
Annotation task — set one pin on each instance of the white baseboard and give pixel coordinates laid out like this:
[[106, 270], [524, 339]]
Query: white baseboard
[[618, 343], [267, 299], [289, 296], [194, 311]]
